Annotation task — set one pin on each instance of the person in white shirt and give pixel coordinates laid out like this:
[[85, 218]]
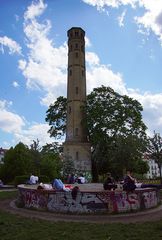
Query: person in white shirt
[[81, 179], [33, 179]]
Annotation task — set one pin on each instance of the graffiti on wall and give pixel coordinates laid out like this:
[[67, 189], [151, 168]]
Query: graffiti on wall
[[90, 202], [34, 199], [84, 202]]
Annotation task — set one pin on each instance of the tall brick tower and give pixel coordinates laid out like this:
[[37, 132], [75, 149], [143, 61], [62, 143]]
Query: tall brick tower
[[76, 145]]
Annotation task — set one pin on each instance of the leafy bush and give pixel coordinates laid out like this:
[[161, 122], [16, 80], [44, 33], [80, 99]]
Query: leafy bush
[[21, 179], [44, 179]]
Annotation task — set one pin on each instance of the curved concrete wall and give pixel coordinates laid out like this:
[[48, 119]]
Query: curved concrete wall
[[89, 202]]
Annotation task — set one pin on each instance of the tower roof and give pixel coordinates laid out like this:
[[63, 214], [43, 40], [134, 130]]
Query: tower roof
[[75, 29]]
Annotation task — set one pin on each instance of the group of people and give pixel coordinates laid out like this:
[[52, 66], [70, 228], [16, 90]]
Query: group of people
[[129, 183], [73, 179], [57, 183]]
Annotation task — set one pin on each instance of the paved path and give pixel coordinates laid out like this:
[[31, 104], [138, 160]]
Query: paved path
[[145, 216]]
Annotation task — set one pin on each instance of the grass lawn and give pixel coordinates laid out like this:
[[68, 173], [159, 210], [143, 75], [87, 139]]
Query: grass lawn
[[13, 227]]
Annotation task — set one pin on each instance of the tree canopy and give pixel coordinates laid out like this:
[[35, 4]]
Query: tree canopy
[[115, 127], [22, 160]]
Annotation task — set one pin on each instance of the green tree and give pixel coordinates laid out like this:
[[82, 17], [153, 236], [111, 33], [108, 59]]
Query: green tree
[[36, 157], [116, 130], [51, 163], [142, 167], [56, 117], [154, 150], [17, 161]]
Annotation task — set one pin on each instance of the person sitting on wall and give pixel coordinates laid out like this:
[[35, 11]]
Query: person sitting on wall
[[58, 185], [33, 179], [81, 179], [129, 182], [71, 179], [45, 186], [109, 184]]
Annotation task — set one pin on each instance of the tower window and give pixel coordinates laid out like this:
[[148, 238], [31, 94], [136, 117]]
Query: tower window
[[70, 72], [76, 54], [71, 47], [69, 109], [76, 132], [76, 34], [76, 90], [77, 155], [76, 45], [82, 72]]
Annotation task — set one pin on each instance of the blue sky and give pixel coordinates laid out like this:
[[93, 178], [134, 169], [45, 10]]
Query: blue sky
[[123, 51]]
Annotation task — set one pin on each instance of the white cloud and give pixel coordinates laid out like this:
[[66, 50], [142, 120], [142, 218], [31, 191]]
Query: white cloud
[[45, 67], [15, 84], [9, 121], [101, 4], [99, 74], [87, 42], [152, 109], [35, 10], [33, 132], [17, 126], [121, 19], [151, 20], [22, 64], [13, 46], [92, 58]]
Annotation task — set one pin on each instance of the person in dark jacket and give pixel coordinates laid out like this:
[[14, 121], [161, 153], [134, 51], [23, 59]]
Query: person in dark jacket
[[129, 182], [109, 184]]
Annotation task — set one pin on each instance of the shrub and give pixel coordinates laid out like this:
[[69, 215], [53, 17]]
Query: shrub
[[21, 179], [44, 179]]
